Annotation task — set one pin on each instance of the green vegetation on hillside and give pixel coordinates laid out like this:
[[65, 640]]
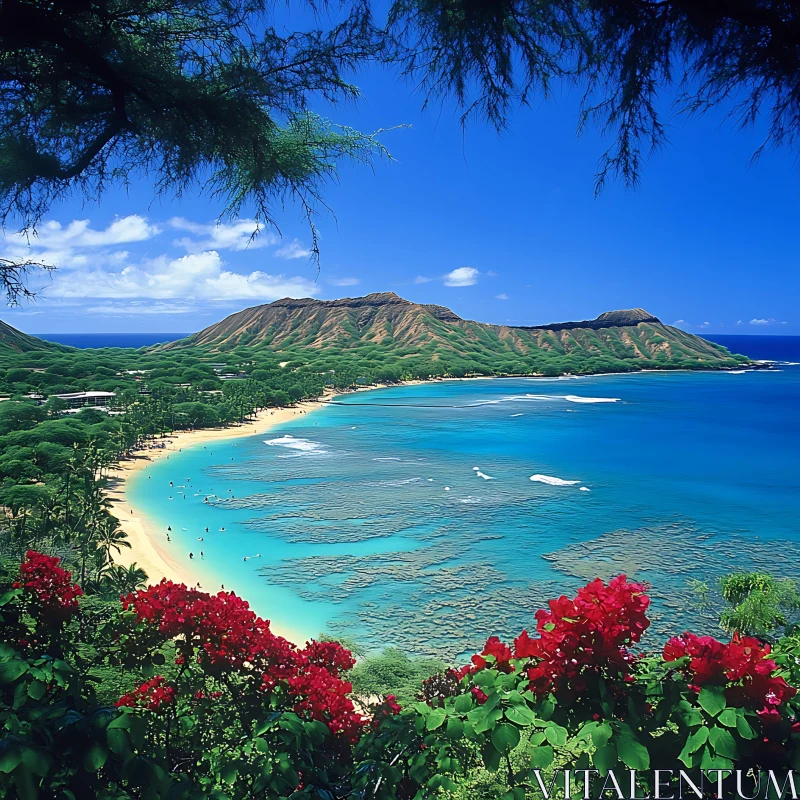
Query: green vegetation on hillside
[[382, 337]]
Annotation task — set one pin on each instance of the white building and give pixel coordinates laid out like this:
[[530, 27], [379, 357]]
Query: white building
[[81, 399]]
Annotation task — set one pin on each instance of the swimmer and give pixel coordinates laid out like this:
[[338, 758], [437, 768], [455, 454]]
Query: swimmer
[[169, 527], [199, 538], [201, 554], [191, 555]]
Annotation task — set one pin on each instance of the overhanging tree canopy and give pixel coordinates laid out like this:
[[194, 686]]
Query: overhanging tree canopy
[[209, 94], [190, 93]]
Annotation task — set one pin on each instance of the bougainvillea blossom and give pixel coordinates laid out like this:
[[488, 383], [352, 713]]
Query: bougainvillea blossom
[[743, 662], [222, 634], [48, 586]]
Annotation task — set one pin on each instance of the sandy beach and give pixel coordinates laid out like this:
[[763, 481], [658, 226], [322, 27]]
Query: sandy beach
[[145, 549]]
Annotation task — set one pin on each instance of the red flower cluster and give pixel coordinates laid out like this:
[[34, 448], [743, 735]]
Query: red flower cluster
[[49, 586], [586, 635], [391, 705], [152, 694], [576, 637], [741, 666], [221, 633], [501, 652]]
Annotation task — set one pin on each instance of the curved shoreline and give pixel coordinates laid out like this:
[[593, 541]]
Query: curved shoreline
[[143, 532], [144, 549]]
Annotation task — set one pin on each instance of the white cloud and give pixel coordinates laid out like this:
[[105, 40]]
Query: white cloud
[[769, 321], [462, 276], [196, 276], [344, 281], [62, 245], [680, 322], [502, 296], [491, 273], [739, 322], [295, 249], [422, 279], [242, 234], [137, 309]]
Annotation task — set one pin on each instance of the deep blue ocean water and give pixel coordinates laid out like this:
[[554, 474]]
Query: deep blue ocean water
[[93, 340], [408, 515]]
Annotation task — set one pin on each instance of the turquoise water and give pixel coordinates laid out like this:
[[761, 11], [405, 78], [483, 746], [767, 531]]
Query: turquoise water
[[370, 519]]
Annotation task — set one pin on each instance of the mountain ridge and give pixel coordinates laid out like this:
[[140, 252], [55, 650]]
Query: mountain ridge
[[19, 342], [381, 326]]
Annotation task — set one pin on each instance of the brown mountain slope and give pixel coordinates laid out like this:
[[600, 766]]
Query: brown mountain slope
[[19, 342], [384, 325]]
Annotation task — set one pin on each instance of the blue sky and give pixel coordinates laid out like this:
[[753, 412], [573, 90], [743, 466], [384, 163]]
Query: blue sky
[[500, 228]]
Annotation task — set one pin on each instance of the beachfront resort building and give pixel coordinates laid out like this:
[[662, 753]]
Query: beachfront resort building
[[81, 399]]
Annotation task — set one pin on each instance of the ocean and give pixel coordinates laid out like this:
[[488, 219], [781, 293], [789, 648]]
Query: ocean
[[85, 341], [432, 516]]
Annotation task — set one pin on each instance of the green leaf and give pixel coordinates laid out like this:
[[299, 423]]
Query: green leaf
[[711, 700], [37, 690], [696, 740], [487, 720], [505, 737], [605, 758], [541, 757], [743, 728], [601, 734], [119, 741], [261, 744], [463, 704], [9, 759], [520, 715], [8, 596], [631, 752], [36, 761], [728, 718], [435, 719], [95, 757], [484, 678], [556, 735], [722, 742], [455, 728], [491, 757], [11, 670], [710, 761], [229, 773]]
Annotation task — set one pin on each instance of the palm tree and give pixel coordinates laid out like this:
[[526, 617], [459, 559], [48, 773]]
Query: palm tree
[[111, 537], [128, 579]]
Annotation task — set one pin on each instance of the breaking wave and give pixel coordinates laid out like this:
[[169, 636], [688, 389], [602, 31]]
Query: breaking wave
[[551, 481], [290, 442]]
